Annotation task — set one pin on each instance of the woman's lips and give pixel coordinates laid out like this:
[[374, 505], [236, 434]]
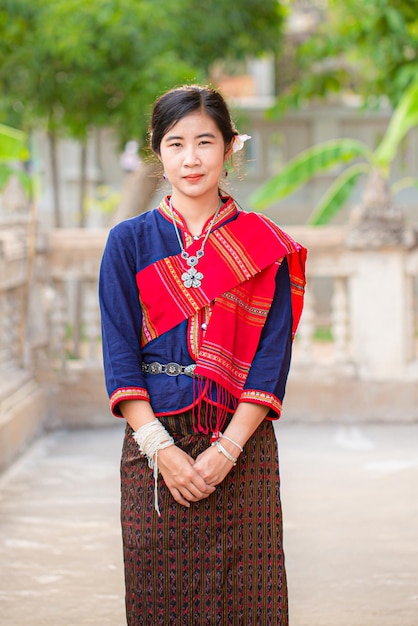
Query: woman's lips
[[193, 178]]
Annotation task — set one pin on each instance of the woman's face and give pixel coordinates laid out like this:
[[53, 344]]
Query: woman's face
[[193, 155]]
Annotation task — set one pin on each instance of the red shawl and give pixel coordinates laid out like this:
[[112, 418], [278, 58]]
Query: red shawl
[[239, 266]]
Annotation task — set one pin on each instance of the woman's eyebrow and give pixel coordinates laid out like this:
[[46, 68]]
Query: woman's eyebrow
[[176, 137], [173, 137], [205, 135]]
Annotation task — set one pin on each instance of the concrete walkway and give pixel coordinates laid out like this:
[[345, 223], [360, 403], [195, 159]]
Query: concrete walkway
[[350, 499]]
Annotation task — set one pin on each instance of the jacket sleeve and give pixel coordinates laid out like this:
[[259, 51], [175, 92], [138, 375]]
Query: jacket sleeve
[[266, 381], [121, 320]]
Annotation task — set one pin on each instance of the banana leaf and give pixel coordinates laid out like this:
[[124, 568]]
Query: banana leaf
[[305, 166], [403, 119], [404, 183], [12, 144], [6, 172], [337, 195]]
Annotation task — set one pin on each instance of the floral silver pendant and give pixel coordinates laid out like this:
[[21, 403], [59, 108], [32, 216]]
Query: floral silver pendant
[[192, 278]]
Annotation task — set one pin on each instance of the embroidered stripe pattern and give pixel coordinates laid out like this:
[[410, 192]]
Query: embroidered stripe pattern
[[149, 331], [231, 266], [128, 393], [288, 242], [238, 316], [234, 254], [262, 397], [220, 561], [297, 285], [165, 210], [195, 330], [227, 209], [188, 300], [223, 363], [254, 312]]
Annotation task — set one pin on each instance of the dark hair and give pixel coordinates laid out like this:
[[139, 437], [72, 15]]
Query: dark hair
[[176, 103]]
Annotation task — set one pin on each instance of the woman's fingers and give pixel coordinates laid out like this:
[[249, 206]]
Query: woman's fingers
[[188, 489], [212, 467], [186, 494], [179, 498], [185, 497], [184, 482]]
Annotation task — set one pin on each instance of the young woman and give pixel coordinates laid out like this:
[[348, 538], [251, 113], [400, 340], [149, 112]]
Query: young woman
[[200, 301]]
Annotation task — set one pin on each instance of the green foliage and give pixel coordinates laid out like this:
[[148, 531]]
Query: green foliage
[[404, 118], [224, 29], [12, 144], [76, 64], [303, 167], [337, 195], [367, 47], [323, 334], [324, 156], [13, 148]]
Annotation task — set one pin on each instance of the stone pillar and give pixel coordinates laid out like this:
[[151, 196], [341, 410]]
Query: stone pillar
[[381, 321], [380, 332]]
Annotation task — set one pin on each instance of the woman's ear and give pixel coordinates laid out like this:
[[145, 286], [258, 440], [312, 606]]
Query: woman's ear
[[228, 151]]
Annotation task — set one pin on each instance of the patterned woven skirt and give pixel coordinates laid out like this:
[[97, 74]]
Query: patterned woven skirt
[[219, 562]]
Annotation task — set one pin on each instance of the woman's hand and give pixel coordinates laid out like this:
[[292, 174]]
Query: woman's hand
[[213, 466], [184, 482]]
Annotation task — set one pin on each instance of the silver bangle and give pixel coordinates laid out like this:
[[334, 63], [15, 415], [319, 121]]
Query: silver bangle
[[222, 436], [225, 452]]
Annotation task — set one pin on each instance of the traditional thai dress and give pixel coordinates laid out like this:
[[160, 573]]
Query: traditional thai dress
[[195, 352]]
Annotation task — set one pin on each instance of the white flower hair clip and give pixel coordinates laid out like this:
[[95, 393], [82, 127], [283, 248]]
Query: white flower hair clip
[[238, 142]]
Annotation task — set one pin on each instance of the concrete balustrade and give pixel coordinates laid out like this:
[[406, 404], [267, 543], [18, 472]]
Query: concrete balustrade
[[355, 355]]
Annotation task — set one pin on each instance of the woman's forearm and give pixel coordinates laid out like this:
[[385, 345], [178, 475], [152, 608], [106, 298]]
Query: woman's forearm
[[244, 423], [137, 413], [211, 465]]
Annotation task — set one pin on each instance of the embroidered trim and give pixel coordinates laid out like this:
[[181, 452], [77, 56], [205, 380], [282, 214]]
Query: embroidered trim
[[148, 330], [297, 285], [127, 393], [262, 397], [197, 327], [234, 254], [218, 359], [227, 210], [236, 300]]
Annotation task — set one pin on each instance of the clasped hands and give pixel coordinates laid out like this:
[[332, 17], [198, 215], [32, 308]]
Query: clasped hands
[[190, 480]]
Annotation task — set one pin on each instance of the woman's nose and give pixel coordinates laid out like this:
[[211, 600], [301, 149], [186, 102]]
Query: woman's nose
[[191, 156]]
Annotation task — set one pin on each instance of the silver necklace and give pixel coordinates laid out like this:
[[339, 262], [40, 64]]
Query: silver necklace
[[192, 277]]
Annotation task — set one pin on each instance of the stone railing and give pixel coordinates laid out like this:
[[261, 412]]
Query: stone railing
[[368, 308], [73, 261], [74, 365], [358, 330], [23, 401], [365, 302], [355, 355]]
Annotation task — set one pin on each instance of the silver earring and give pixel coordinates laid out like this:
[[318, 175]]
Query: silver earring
[[164, 176]]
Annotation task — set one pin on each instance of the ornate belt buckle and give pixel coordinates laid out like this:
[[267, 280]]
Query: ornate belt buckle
[[155, 368], [172, 369], [189, 369]]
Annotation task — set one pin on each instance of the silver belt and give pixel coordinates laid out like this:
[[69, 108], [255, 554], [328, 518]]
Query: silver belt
[[171, 369]]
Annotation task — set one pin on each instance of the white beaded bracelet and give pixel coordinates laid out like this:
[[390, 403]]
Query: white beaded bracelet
[[151, 438]]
